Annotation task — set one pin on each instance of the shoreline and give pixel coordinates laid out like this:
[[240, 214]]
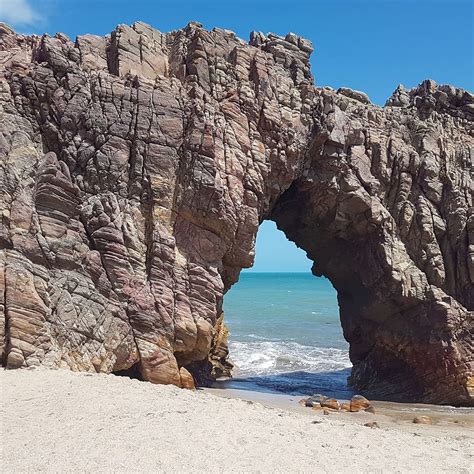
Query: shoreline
[[445, 418], [60, 421]]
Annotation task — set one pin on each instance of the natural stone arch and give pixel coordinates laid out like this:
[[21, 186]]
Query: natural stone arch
[[390, 322], [137, 168]]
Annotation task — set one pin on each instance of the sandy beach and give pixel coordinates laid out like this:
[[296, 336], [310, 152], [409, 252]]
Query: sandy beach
[[59, 421]]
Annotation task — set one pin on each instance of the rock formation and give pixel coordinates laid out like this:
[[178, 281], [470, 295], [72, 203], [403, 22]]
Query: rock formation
[[137, 167]]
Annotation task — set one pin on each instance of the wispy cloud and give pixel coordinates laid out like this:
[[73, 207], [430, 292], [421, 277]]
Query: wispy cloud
[[19, 13]]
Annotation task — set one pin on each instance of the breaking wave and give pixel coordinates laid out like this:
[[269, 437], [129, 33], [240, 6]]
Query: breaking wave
[[265, 357], [290, 367]]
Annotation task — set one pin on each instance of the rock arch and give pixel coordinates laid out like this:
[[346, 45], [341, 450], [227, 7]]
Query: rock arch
[[137, 167]]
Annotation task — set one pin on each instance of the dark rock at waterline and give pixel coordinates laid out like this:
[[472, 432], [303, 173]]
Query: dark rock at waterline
[[315, 400], [317, 397], [357, 403]]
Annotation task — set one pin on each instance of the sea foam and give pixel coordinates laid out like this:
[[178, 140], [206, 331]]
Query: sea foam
[[264, 357]]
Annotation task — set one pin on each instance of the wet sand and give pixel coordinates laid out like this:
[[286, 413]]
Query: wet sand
[[446, 419]]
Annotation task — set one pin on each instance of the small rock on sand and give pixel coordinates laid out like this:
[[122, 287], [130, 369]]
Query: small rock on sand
[[423, 420], [330, 403], [314, 400], [372, 424], [358, 402]]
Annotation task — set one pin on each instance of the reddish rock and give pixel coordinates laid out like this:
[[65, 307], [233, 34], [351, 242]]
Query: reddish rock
[[330, 403], [187, 380], [358, 402], [136, 168]]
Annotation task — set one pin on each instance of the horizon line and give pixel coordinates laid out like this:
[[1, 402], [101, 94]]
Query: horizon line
[[275, 271]]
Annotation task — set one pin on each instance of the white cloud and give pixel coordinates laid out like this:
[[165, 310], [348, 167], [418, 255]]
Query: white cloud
[[18, 12]]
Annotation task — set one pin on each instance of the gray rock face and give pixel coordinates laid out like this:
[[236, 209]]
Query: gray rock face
[[136, 169]]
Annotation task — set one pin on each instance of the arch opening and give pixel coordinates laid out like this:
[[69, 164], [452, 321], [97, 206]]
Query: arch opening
[[345, 239], [284, 328]]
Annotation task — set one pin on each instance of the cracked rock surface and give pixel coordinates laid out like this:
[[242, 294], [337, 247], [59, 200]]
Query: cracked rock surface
[[136, 168]]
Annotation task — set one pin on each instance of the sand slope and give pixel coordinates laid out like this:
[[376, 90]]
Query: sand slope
[[65, 422]]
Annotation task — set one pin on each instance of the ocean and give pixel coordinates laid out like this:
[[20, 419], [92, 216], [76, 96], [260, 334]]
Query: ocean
[[285, 335]]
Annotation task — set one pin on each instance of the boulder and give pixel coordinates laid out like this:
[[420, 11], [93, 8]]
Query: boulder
[[315, 400], [355, 95], [187, 380], [358, 402], [318, 398], [330, 403]]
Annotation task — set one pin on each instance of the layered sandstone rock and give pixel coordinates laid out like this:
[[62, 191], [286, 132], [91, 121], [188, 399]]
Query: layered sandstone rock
[[137, 167]]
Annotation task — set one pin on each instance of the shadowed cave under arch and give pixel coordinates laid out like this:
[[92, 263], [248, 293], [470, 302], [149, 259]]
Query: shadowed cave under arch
[[136, 168]]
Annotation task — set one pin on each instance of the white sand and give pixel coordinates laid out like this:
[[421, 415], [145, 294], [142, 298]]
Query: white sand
[[58, 421]]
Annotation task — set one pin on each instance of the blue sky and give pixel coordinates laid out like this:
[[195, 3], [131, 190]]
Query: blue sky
[[370, 45], [274, 253]]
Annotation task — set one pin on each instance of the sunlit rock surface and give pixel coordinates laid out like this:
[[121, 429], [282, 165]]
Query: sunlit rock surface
[[136, 168]]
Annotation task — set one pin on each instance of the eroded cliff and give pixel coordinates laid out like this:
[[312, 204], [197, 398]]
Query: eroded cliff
[[137, 167]]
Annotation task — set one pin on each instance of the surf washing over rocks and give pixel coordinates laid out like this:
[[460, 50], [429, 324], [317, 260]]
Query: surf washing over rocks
[[285, 334]]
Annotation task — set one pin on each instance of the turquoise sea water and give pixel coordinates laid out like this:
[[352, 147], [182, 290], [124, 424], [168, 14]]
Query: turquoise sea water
[[285, 334]]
